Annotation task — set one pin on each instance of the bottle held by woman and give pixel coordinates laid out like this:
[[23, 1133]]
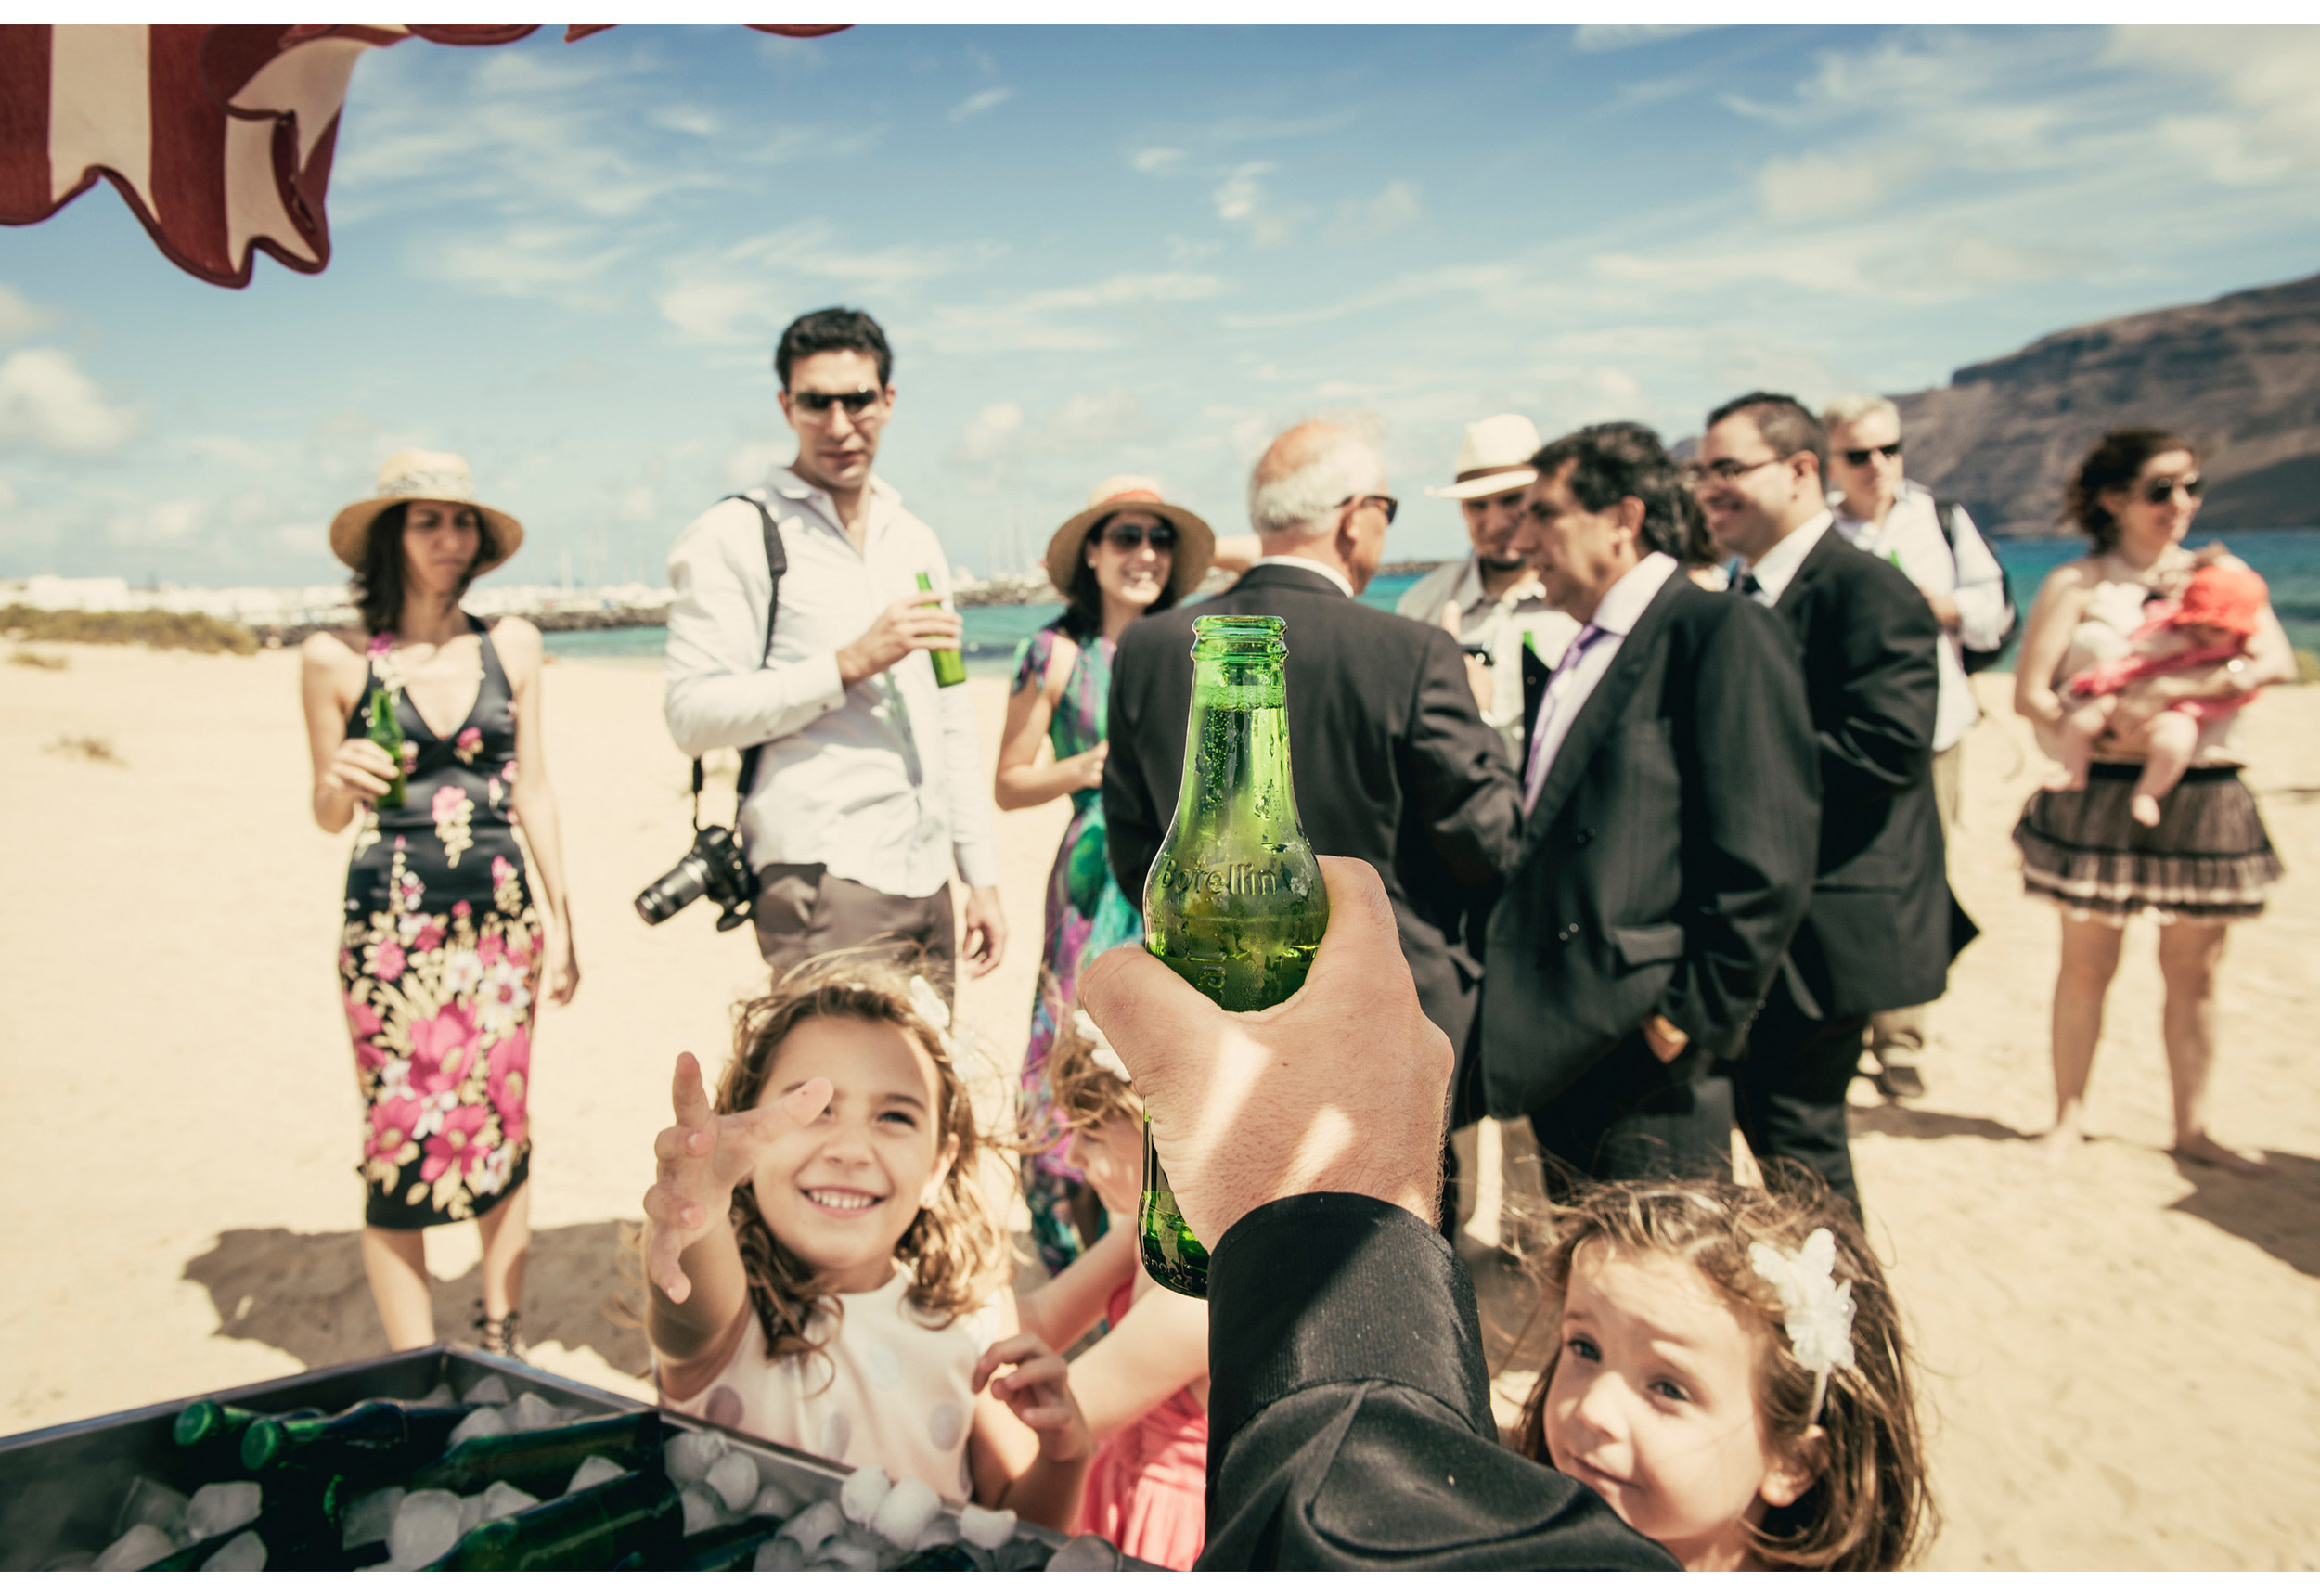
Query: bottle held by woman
[[426, 731], [1129, 554]]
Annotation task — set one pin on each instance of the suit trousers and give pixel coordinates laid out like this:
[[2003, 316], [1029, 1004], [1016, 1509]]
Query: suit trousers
[[1630, 1117], [1789, 1088], [1899, 1033], [802, 911]]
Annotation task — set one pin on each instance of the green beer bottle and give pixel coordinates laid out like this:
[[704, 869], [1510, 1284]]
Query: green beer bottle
[[542, 1460], [211, 1434], [1234, 902], [949, 669], [589, 1530], [378, 1439], [388, 733]]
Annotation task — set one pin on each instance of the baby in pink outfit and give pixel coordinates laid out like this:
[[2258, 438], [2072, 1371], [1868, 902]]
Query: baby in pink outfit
[[2210, 625]]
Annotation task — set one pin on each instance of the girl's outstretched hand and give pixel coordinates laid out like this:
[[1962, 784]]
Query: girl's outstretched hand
[[700, 1159], [1038, 1391]]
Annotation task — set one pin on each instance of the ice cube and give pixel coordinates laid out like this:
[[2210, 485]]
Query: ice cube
[[981, 1526], [143, 1544], [504, 1500], [369, 1517], [1025, 1554], [733, 1477], [817, 1523], [863, 1490], [471, 1513], [491, 1388], [593, 1471], [221, 1506], [243, 1554], [439, 1395], [482, 1422], [149, 1502], [825, 1565], [426, 1525], [689, 1453], [906, 1512], [849, 1554], [705, 1509], [573, 1413], [70, 1563], [1085, 1554], [531, 1412], [779, 1555], [944, 1531], [773, 1500]]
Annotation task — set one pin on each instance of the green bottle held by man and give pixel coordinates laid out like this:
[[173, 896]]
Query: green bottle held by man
[[949, 669], [1234, 902], [388, 733]]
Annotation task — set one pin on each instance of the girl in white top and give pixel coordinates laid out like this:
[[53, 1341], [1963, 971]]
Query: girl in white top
[[822, 1270]]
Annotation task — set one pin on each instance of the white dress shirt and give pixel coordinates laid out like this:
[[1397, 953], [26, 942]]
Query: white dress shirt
[[1497, 625], [1574, 677], [1778, 568], [880, 782], [1910, 538], [1315, 566]]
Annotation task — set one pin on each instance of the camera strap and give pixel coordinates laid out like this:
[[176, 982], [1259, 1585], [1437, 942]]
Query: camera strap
[[776, 566]]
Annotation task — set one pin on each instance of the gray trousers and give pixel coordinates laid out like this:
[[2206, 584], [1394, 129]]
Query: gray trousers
[[802, 911]]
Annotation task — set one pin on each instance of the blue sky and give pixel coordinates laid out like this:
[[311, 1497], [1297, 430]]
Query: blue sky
[[1100, 250]]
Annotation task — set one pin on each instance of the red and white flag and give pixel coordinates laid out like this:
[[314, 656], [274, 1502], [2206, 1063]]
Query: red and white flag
[[220, 138]]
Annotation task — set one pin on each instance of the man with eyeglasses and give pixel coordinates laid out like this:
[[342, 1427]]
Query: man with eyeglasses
[[869, 790], [1876, 930], [1392, 760], [1934, 543]]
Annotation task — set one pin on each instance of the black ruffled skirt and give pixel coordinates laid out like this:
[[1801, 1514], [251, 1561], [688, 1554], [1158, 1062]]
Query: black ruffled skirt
[[2209, 857]]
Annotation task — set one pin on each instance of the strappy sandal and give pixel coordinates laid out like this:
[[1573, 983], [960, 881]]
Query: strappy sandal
[[501, 1337]]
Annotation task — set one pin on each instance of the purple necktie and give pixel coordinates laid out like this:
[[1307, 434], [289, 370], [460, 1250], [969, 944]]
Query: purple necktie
[[1535, 768]]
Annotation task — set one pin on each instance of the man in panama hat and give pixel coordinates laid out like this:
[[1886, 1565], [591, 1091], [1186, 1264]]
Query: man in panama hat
[[1491, 599]]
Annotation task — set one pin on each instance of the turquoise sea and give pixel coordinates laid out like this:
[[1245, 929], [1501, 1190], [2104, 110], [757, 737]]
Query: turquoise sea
[[2289, 560]]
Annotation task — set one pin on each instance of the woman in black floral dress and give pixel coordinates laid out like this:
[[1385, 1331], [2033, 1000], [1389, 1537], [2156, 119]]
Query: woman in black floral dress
[[445, 948]]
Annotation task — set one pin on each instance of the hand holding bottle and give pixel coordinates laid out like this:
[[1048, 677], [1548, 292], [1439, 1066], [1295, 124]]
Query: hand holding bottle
[[700, 1159], [905, 624], [360, 769], [1340, 1088]]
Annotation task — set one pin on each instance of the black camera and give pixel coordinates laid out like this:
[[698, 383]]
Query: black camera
[[714, 865]]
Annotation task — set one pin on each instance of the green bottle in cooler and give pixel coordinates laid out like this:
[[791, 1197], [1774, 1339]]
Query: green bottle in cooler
[[949, 669], [1234, 902]]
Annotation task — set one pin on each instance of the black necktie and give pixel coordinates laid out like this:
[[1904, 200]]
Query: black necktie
[[1748, 586]]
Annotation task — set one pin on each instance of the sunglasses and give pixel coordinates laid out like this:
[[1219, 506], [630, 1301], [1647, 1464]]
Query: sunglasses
[[1162, 537], [2159, 490], [1892, 451], [857, 403], [1386, 502]]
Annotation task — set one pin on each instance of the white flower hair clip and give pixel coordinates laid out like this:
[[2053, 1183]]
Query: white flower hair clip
[[1818, 1313], [929, 1004], [1106, 1057]]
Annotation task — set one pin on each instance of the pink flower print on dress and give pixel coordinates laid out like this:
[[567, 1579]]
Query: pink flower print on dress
[[503, 872], [490, 949], [470, 745], [362, 1019], [381, 645], [507, 773], [510, 1084], [387, 961], [428, 938], [502, 997], [447, 801], [392, 1122], [410, 757], [455, 1146], [441, 1050]]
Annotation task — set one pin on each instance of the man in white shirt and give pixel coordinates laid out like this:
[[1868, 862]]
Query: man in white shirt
[[870, 788], [1882, 513], [1491, 599]]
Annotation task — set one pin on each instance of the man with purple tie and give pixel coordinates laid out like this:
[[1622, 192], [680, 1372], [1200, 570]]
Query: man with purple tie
[[1671, 804]]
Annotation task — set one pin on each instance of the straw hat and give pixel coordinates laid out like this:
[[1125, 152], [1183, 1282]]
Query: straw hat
[[1495, 457], [1195, 543], [421, 474]]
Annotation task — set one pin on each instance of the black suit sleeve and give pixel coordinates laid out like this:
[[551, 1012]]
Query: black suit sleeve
[[1350, 1421], [1753, 829], [1458, 778], [1132, 827], [1879, 638]]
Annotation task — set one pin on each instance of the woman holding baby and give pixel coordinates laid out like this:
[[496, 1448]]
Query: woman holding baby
[[2133, 665]]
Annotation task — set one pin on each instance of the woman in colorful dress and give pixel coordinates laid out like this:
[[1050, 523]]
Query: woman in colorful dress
[[444, 949], [1128, 554]]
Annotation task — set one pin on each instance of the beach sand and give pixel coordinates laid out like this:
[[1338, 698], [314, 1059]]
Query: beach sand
[[2123, 1361]]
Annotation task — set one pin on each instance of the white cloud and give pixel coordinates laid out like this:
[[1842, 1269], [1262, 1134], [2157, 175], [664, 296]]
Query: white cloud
[[170, 524], [45, 398], [525, 262], [2269, 128], [229, 451], [991, 433], [751, 291], [1159, 161], [1241, 198], [18, 316], [685, 119], [1093, 422], [1364, 221], [1788, 187], [1058, 320], [1592, 38], [7, 494], [976, 104], [748, 464]]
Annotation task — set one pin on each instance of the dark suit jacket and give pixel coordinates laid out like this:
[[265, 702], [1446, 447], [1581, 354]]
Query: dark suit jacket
[[1669, 856], [1349, 1422], [1391, 759], [1877, 934]]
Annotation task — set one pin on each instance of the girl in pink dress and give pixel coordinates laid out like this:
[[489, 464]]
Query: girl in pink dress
[[1144, 1387]]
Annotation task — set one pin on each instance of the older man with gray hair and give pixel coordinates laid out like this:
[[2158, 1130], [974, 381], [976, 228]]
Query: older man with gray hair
[[1933, 541], [1393, 763]]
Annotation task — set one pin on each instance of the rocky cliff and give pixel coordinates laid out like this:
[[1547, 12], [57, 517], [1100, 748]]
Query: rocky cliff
[[2239, 375]]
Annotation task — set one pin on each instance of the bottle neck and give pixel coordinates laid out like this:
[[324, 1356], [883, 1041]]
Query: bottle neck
[[1238, 743]]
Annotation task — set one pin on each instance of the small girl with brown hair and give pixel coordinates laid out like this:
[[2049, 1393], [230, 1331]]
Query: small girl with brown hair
[[822, 1269], [1730, 1376]]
